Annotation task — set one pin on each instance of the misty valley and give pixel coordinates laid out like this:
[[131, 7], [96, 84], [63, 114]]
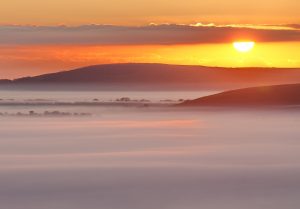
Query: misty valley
[[134, 156]]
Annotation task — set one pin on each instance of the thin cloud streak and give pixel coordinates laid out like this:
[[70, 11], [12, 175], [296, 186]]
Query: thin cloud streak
[[153, 34]]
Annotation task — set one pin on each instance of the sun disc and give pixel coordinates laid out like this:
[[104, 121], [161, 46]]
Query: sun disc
[[244, 46]]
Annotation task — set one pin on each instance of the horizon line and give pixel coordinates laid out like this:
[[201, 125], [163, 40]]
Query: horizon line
[[154, 63]]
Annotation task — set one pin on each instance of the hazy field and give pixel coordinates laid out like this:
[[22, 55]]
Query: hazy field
[[150, 158]]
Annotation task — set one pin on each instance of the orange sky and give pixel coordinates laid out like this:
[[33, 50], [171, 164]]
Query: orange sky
[[197, 33], [133, 12], [34, 60]]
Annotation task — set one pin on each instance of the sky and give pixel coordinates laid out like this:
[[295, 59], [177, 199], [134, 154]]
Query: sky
[[131, 12], [39, 37]]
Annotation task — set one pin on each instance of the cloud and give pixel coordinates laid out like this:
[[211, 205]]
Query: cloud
[[295, 26], [163, 34]]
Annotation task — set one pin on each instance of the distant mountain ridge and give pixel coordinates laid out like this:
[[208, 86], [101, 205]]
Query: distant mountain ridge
[[138, 74]]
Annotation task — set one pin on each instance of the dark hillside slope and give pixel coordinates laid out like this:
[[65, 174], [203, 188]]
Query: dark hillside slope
[[157, 75], [256, 96]]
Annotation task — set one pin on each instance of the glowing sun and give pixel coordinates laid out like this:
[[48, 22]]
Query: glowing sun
[[244, 46]]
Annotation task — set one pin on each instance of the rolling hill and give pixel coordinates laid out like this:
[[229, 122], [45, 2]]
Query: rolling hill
[[256, 96], [160, 76]]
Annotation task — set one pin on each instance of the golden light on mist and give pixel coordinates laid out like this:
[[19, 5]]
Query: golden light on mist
[[243, 46]]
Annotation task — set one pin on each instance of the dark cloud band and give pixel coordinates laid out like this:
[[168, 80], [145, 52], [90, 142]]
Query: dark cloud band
[[151, 34]]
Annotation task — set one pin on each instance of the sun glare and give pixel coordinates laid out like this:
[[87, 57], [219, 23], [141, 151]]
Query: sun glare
[[244, 46]]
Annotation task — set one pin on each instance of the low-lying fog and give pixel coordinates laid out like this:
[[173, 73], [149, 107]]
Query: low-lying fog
[[150, 158]]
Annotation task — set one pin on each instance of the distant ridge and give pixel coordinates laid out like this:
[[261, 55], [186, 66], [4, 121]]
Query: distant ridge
[[256, 96], [161, 75]]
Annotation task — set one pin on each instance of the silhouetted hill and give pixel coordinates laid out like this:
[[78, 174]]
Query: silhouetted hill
[[5, 81], [160, 75], [256, 96]]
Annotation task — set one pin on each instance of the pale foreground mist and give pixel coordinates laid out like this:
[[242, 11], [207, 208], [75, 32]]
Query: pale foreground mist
[[135, 158]]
